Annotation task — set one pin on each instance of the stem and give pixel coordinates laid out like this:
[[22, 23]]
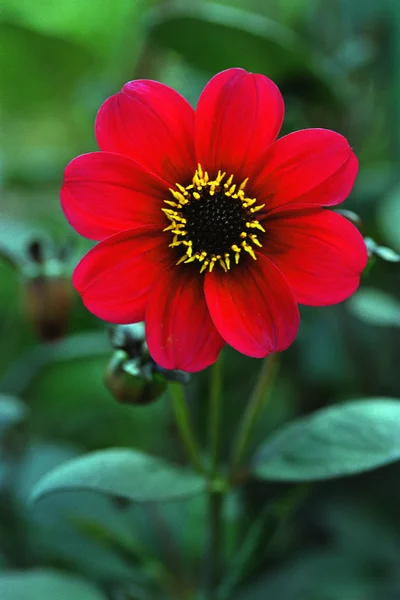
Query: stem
[[215, 499], [242, 559], [184, 426], [255, 405], [215, 415], [171, 556], [216, 489]]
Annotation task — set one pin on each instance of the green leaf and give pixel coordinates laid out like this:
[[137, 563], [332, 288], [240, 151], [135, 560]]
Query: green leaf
[[340, 440], [15, 235], [45, 585], [387, 254], [382, 251], [56, 519], [12, 412], [122, 473], [48, 81], [389, 217], [213, 37], [375, 307], [69, 20], [316, 575]]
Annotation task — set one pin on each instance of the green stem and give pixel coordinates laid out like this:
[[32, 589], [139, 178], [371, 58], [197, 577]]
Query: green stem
[[215, 415], [216, 491], [215, 499], [254, 407], [184, 426]]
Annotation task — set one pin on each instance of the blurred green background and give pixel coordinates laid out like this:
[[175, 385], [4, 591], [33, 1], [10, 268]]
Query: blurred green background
[[338, 66]]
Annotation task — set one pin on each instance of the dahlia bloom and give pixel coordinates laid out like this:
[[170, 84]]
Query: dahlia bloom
[[211, 230]]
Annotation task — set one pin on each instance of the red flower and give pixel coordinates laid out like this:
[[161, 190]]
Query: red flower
[[210, 230]]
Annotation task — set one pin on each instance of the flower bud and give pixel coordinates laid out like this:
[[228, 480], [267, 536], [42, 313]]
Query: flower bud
[[132, 376], [48, 303], [130, 338], [47, 293], [133, 383]]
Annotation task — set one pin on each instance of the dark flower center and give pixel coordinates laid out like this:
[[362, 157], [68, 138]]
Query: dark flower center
[[212, 221]]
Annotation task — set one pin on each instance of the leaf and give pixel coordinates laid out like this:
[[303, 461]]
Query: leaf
[[387, 254], [389, 217], [123, 473], [45, 584], [78, 347], [375, 307], [340, 440], [383, 252], [46, 523], [316, 575], [72, 22], [195, 30], [12, 411], [15, 235], [47, 81]]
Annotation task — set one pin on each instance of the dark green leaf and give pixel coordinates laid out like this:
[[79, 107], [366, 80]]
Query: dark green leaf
[[45, 585], [389, 217], [213, 37], [58, 518], [78, 347], [335, 441], [122, 473], [70, 21], [27, 66], [317, 575]]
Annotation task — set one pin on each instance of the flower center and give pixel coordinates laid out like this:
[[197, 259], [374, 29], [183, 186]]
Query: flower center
[[212, 221]]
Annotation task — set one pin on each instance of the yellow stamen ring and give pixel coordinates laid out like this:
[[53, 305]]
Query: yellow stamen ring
[[196, 204]]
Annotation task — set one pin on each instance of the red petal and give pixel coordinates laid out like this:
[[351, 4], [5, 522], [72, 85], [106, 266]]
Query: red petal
[[253, 307], [180, 333], [152, 124], [105, 193], [116, 276], [313, 166], [320, 253], [237, 116]]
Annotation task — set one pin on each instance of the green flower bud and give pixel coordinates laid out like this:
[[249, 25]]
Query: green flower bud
[[130, 382]]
